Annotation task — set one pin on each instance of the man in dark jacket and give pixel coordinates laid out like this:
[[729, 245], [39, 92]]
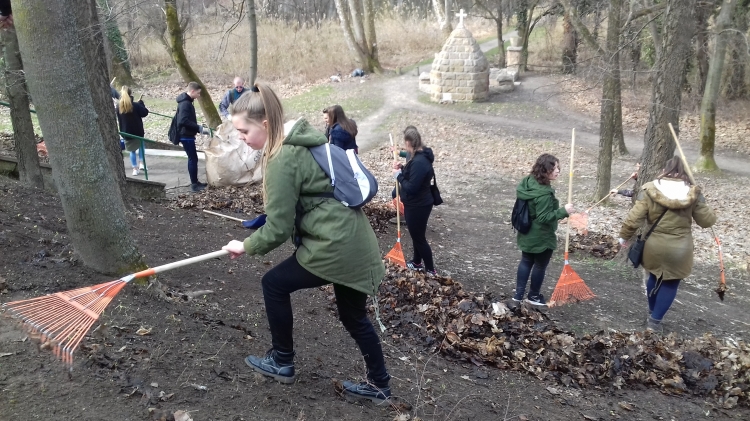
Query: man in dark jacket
[[231, 96], [188, 127]]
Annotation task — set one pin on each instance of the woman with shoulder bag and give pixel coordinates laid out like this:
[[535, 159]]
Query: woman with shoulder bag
[[671, 203], [414, 180]]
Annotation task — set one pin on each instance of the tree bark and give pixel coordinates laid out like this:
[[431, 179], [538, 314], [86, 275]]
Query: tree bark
[[371, 38], [346, 26], [252, 47], [500, 42], [702, 14], [607, 123], [177, 52], [738, 51], [29, 171], [569, 47], [95, 60], [120, 62], [57, 77], [354, 33], [440, 9], [619, 138], [666, 95], [706, 161]]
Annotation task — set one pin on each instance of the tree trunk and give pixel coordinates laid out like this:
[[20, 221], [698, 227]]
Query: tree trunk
[[441, 12], [619, 138], [95, 61], [29, 171], [569, 47], [57, 77], [358, 44], [120, 63], [666, 94], [702, 14], [500, 42], [252, 41], [177, 52], [371, 38], [609, 98], [346, 26], [706, 161], [358, 27], [735, 86]]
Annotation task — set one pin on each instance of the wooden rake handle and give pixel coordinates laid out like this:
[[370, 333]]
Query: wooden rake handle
[[398, 200], [179, 264], [224, 216]]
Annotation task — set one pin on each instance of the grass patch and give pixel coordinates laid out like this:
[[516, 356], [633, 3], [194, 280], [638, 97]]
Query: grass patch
[[357, 100]]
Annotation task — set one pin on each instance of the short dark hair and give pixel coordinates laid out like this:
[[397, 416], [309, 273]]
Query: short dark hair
[[194, 86], [543, 167]]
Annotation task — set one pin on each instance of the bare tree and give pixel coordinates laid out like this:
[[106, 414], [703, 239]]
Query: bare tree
[[352, 15], [57, 76], [252, 41], [442, 13], [175, 43], [735, 86], [29, 171], [706, 161], [493, 10], [120, 62]]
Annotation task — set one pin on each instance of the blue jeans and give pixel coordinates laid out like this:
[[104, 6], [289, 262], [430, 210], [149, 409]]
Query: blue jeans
[[134, 157], [534, 264], [661, 295], [188, 144], [289, 276]]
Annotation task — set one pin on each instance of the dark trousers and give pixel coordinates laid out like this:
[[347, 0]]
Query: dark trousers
[[189, 146], [416, 220], [661, 295], [534, 264], [289, 276]]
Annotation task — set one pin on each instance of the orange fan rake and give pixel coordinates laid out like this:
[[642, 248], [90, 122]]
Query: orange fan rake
[[396, 255], [570, 287], [63, 318], [580, 221]]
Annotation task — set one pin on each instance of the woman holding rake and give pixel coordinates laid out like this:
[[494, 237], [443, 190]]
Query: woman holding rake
[[538, 244], [671, 203], [338, 244]]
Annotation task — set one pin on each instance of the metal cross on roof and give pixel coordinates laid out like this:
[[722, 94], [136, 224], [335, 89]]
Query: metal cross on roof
[[461, 15]]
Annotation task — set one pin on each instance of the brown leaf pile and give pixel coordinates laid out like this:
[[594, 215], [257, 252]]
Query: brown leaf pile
[[247, 202], [439, 314], [596, 244]]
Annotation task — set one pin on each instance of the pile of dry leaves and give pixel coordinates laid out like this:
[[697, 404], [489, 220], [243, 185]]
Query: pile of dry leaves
[[596, 244], [247, 202], [439, 314]]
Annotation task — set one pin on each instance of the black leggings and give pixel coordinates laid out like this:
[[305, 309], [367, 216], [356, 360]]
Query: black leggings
[[416, 220], [290, 276]]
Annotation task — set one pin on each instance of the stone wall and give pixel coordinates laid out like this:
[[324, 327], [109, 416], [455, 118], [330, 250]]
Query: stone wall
[[460, 72]]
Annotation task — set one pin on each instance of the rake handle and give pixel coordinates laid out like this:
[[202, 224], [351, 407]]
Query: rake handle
[[605, 197], [570, 189], [179, 264], [398, 200], [224, 216]]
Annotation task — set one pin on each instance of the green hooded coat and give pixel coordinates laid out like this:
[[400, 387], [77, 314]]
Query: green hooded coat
[[338, 243], [544, 210]]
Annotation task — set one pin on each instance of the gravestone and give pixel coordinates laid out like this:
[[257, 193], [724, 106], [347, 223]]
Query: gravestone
[[460, 71]]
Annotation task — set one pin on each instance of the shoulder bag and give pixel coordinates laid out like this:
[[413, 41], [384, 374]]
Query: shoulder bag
[[437, 200], [635, 254]]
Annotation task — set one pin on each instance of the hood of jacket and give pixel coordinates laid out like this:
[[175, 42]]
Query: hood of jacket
[[672, 193], [184, 97], [301, 133], [427, 153], [529, 188]]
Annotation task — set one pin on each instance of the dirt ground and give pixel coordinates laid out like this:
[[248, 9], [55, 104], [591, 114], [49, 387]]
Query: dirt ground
[[191, 357]]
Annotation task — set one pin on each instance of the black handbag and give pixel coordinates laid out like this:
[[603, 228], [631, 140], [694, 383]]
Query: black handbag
[[635, 253], [436, 199]]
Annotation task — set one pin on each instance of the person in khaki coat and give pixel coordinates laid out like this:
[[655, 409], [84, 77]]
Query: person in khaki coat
[[668, 255]]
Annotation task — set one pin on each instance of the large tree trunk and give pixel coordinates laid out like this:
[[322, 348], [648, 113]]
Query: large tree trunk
[[619, 137], [666, 94], [500, 42], [120, 63], [738, 48], [569, 46], [346, 26], [92, 47], [441, 14], [177, 52], [706, 161], [351, 18], [609, 98], [252, 41], [702, 14], [57, 77], [371, 38], [29, 171]]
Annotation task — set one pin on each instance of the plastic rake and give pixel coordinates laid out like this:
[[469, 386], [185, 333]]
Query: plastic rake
[[580, 221], [570, 287], [62, 319]]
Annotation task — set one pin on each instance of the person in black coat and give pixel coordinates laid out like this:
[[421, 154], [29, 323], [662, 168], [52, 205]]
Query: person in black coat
[[187, 129], [414, 187], [130, 114], [343, 130]]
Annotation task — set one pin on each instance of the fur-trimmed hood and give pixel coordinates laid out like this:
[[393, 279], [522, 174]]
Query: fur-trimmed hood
[[672, 193]]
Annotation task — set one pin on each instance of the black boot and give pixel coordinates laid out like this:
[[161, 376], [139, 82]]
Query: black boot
[[278, 365]]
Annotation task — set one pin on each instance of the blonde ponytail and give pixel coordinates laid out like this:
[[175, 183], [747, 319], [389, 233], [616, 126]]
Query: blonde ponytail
[[125, 105]]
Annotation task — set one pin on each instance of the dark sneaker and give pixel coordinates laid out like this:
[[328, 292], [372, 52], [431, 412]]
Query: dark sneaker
[[431, 272], [414, 266], [197, 187], [282, 372], [653, 325], [536, 300], [517, 300], [202, 184], [367, 390]]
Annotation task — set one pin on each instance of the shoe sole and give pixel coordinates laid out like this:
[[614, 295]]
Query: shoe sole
[[535, 303], [374, 400], [278, 378]]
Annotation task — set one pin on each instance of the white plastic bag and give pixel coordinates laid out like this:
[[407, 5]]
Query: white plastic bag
[[229, 161]]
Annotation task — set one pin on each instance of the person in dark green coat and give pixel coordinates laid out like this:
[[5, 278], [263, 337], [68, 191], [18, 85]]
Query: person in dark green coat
[[338, 244], [538, 244]]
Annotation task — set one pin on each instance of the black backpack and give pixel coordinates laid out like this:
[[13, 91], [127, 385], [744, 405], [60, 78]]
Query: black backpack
[[521, 217], [174, 135]]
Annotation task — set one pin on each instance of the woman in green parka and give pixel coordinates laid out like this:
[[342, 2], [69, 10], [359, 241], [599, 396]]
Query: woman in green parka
[[338, 244], [538, 244]]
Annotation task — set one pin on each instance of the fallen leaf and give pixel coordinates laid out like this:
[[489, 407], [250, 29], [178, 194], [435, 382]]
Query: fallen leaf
[[626, 406], [182, 416], [142, 331]]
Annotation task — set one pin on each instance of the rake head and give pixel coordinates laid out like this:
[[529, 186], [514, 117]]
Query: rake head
[[61, 320], [570, 288], [396, 255], [580, 222]]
